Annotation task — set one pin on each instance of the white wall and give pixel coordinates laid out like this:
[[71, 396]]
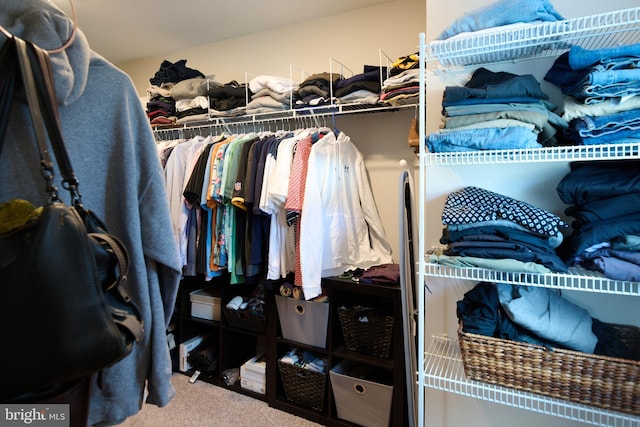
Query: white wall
[[352, 38], [355, 39]]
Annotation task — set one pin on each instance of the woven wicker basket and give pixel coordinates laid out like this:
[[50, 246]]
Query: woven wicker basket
[[244, 319], [303, 386], [598, 381], [371, 337]]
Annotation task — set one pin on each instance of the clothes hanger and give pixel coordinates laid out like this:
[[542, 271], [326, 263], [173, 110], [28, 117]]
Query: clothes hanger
[[70, 40], [336, 131]]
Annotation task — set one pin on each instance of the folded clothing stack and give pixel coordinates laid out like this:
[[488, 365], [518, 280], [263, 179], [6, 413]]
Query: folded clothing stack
[[496, 111], [604, 200], [540, 316], [482, 225], [306, 360]]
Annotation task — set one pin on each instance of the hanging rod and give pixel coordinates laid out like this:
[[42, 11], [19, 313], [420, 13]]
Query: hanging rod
[[224, 123]]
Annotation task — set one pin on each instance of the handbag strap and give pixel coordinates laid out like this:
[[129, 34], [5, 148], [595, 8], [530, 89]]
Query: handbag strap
[[37, 78], [8, 72]]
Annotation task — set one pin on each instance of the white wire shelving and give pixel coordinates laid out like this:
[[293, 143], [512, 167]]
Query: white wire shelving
[[440, 365], [443, 370], [526, 41], [312, 116], [577, 279], [305, 116], [627, 150]]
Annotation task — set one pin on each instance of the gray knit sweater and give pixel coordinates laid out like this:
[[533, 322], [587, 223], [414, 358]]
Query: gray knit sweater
[[113, 152]]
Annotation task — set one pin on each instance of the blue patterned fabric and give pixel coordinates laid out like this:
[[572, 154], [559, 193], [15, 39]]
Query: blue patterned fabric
[[473, 204]]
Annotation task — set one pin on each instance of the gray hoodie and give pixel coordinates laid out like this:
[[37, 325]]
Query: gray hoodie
[[113, 152]]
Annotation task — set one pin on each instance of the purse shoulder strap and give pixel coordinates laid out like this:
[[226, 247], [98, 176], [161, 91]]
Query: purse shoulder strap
[[8, 72], [37, 78]]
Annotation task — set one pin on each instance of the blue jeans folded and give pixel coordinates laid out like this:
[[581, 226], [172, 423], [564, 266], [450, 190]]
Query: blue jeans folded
[[610, 78], [605, 125], [482, 139], [580, 58], [593, 94]]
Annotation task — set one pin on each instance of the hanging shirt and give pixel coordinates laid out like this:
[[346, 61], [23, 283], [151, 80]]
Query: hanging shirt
[[177, 172], [340, 228], [281, 245]]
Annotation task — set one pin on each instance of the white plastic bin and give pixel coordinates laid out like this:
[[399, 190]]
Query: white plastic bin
[[204, 305]]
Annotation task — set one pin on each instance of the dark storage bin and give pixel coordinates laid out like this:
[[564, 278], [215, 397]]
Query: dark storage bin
[[303, 385], [366, 330], [244, 319]]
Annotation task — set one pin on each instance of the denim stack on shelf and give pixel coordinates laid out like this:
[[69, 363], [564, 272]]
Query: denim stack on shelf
[[496, 111], [601, 88]]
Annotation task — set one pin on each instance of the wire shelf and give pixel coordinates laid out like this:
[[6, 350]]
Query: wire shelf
[[577, 278], [443, 370], [311, 115], [523, 41], [440, 366], [545, 154]]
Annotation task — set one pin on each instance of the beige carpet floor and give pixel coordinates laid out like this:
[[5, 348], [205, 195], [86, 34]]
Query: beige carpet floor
[[205, 405]]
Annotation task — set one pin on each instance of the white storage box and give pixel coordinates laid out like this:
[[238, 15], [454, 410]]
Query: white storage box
[[204, 305], [303, 321], [253, 374], [359, 399], [186, 348], [254, 386]]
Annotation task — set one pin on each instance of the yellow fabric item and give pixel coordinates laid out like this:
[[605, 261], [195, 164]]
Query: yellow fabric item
[[16, 213], [406, 62]]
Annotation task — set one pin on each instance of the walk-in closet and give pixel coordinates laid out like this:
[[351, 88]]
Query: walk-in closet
[[378, 213]]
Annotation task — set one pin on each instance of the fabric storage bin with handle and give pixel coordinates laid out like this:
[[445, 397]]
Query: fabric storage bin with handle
[[303, 321], [362, 394]]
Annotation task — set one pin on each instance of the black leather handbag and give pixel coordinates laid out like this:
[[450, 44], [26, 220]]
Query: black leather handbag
[[64, 309]]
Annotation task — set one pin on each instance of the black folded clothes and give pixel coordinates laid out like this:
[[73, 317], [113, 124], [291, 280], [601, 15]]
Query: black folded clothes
[[384, 274], [538, 316]]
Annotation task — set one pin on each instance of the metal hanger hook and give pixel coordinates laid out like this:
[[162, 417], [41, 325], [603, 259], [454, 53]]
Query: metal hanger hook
[[70, 40]]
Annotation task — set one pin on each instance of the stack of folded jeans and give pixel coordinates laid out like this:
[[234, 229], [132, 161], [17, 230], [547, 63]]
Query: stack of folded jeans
[[481, 224], [496, 111], [604, 199], [602, 93]]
